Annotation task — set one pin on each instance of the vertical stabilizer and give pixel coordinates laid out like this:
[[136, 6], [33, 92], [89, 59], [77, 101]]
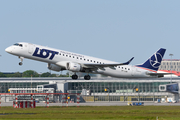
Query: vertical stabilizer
[[154, 61]]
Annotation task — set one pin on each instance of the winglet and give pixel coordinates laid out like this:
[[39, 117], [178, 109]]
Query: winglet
[[126, 63]]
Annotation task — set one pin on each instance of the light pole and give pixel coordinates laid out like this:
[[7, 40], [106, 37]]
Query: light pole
[[171, 66], [31, 83]]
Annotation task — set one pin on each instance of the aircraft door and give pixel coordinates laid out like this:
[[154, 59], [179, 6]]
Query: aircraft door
[[30, 48]]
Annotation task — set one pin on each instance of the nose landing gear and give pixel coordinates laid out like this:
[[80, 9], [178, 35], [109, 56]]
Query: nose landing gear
[[20, 63]]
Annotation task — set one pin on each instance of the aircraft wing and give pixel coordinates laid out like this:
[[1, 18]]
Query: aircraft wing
[[101, 66]]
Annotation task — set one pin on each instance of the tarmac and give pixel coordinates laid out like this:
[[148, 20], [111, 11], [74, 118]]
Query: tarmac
[[96, 104]]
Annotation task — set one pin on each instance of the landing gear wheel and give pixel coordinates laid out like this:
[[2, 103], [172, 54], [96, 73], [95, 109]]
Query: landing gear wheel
[[74, 77], [87, 77], [20, 63]]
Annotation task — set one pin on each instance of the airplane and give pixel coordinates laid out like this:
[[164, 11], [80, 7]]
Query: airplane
[[59, 60]]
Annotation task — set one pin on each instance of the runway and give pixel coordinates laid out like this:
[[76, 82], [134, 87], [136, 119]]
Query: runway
[[96, 104]]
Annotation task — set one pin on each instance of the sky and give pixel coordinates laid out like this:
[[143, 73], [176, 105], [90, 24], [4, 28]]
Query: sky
[[109, 29]]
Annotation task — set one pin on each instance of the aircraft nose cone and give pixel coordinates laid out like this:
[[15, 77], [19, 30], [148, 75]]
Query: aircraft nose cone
[[8, 49]]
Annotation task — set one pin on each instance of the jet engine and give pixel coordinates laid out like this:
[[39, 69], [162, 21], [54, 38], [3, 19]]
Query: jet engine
[[54, 67], [75, 67]]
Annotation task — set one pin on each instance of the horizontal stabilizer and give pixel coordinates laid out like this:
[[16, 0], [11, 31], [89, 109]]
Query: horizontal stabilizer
[[158, 74]]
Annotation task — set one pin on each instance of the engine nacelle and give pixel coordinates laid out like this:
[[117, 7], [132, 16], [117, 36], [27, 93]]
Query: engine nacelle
[[75, 67], [54, 67]]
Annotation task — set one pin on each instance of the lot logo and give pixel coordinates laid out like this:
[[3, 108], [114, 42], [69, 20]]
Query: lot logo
[[155, 60], [44, 53]]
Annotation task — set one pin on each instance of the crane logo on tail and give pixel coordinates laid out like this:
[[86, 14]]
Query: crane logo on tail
[[155, 60]]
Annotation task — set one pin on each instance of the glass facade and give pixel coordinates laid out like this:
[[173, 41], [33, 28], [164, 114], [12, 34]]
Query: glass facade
[[119, 91], [4, 86], [117, 87]]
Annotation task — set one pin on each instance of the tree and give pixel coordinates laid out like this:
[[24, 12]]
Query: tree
[[28, 73], [2, 75], [17, 74], [47, 74], [53, 75]]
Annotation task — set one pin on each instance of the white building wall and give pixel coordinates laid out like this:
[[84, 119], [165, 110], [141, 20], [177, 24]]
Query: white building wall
[[170, 65], [62, 87]]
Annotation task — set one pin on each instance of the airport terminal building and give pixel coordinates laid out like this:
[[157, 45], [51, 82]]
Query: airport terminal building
[[97, 89]]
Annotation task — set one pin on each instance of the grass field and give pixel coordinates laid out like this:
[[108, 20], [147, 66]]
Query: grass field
[[98, 112]]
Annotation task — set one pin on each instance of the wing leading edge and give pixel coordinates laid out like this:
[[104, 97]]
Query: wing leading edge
[[87, 65]]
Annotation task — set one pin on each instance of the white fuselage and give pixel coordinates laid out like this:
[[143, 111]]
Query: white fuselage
[[61, 57]]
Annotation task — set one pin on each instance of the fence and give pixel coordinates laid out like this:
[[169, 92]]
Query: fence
[[25, 100]]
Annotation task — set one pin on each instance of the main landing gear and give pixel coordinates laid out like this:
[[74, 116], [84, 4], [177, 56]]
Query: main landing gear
[[86, 77], [74, 77], [20, 63]]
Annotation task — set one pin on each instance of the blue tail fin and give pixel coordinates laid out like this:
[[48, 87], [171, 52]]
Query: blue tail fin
[[154, 61]]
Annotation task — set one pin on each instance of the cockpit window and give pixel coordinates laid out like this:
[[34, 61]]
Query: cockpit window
[[17, 44]]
